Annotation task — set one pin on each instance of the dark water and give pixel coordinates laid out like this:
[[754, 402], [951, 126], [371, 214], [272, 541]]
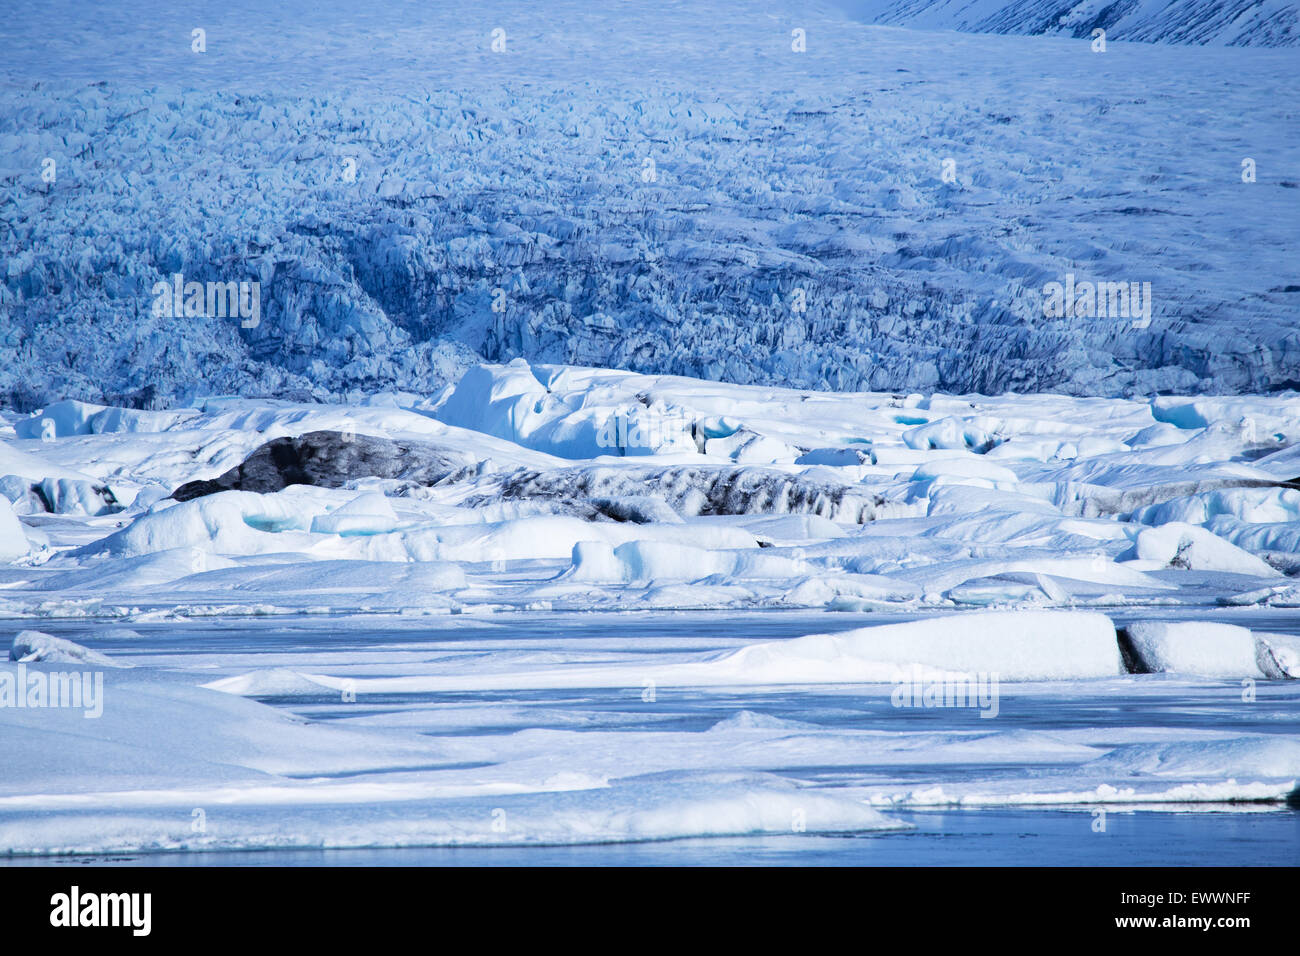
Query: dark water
[[1003, 837]]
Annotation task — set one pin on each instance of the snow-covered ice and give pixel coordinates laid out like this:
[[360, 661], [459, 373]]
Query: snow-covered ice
[[652, 423], [1035, 501], [965, 572], [328, 752]]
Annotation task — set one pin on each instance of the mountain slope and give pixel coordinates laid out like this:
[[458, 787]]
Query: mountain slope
[[1214, 22]]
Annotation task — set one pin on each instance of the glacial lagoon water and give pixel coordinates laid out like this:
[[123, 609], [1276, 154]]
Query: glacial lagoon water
[[1203, 834]]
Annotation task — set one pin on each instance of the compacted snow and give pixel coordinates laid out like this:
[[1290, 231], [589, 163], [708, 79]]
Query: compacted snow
[[913, 601]]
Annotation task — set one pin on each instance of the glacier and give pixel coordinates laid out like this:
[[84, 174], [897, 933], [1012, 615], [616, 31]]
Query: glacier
[[539, 425], [881, 211]]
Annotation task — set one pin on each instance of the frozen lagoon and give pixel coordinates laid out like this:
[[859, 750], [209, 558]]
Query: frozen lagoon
[[1003, 837], [822, 739], [460, 620]]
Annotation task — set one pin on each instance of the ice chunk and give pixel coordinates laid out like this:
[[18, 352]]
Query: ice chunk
[[1278, 655], [1250, 505], [1191, 647], [1279, 595], [834, 457], [747, 447], [949, 433], [37, 646], [59, 420], [957, 470], [790, 529], [1256, 756], [1014, 645], [851, 592], [1003, 645], [231, 522], [554, 537], [644, 561], [369, 513], [1181, 545], [1012, 588], [753, 720], [76, 496], [13, 540], [577, 809], [1258, 415], [67, 418]]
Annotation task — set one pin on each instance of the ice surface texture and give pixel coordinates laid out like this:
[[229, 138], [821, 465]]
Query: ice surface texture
[[669, 188], [524, 486], [795, 226], [1218, 22]]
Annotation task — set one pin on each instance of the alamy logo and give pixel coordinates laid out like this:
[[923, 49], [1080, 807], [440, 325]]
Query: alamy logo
[[75, 908], [1104, 300], [646, 430], [213, 300], [953, 690], [82, 690]]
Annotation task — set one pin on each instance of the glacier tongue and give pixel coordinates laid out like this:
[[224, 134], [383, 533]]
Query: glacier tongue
[[583, 200]]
